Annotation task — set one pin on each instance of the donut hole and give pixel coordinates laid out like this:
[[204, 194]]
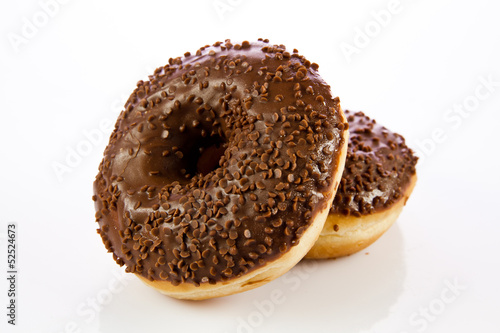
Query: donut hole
[[209, 157], [202, 155]]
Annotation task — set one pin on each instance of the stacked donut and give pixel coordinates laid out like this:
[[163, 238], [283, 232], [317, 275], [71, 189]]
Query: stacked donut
[[378, 179], [222, 170]]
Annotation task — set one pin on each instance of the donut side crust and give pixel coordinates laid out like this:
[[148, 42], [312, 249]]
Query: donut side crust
[[345, 235]]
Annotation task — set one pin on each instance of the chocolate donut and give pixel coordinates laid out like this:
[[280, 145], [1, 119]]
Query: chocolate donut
[[221, 170], [378, 179]]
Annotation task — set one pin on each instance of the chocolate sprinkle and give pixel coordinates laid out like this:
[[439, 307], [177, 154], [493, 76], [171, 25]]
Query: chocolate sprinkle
[[224, 157], [378, 168]]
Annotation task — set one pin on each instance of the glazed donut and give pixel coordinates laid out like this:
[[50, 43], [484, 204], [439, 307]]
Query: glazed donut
[[378, 179], [221, 170]]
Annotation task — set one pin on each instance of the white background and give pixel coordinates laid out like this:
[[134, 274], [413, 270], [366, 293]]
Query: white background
[[436, 270]]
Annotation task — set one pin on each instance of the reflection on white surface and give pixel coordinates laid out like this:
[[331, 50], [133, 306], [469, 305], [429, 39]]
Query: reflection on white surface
[[349, 294]]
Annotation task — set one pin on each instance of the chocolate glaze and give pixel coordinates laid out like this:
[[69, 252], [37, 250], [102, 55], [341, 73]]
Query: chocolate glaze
[[378, 168], [264, 115]]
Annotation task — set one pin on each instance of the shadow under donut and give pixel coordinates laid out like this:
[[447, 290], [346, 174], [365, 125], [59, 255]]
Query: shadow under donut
[[349, 294], [356, 292]]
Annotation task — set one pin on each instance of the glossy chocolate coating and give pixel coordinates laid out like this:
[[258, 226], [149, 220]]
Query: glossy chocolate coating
[[219, 163], [378, 169]]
